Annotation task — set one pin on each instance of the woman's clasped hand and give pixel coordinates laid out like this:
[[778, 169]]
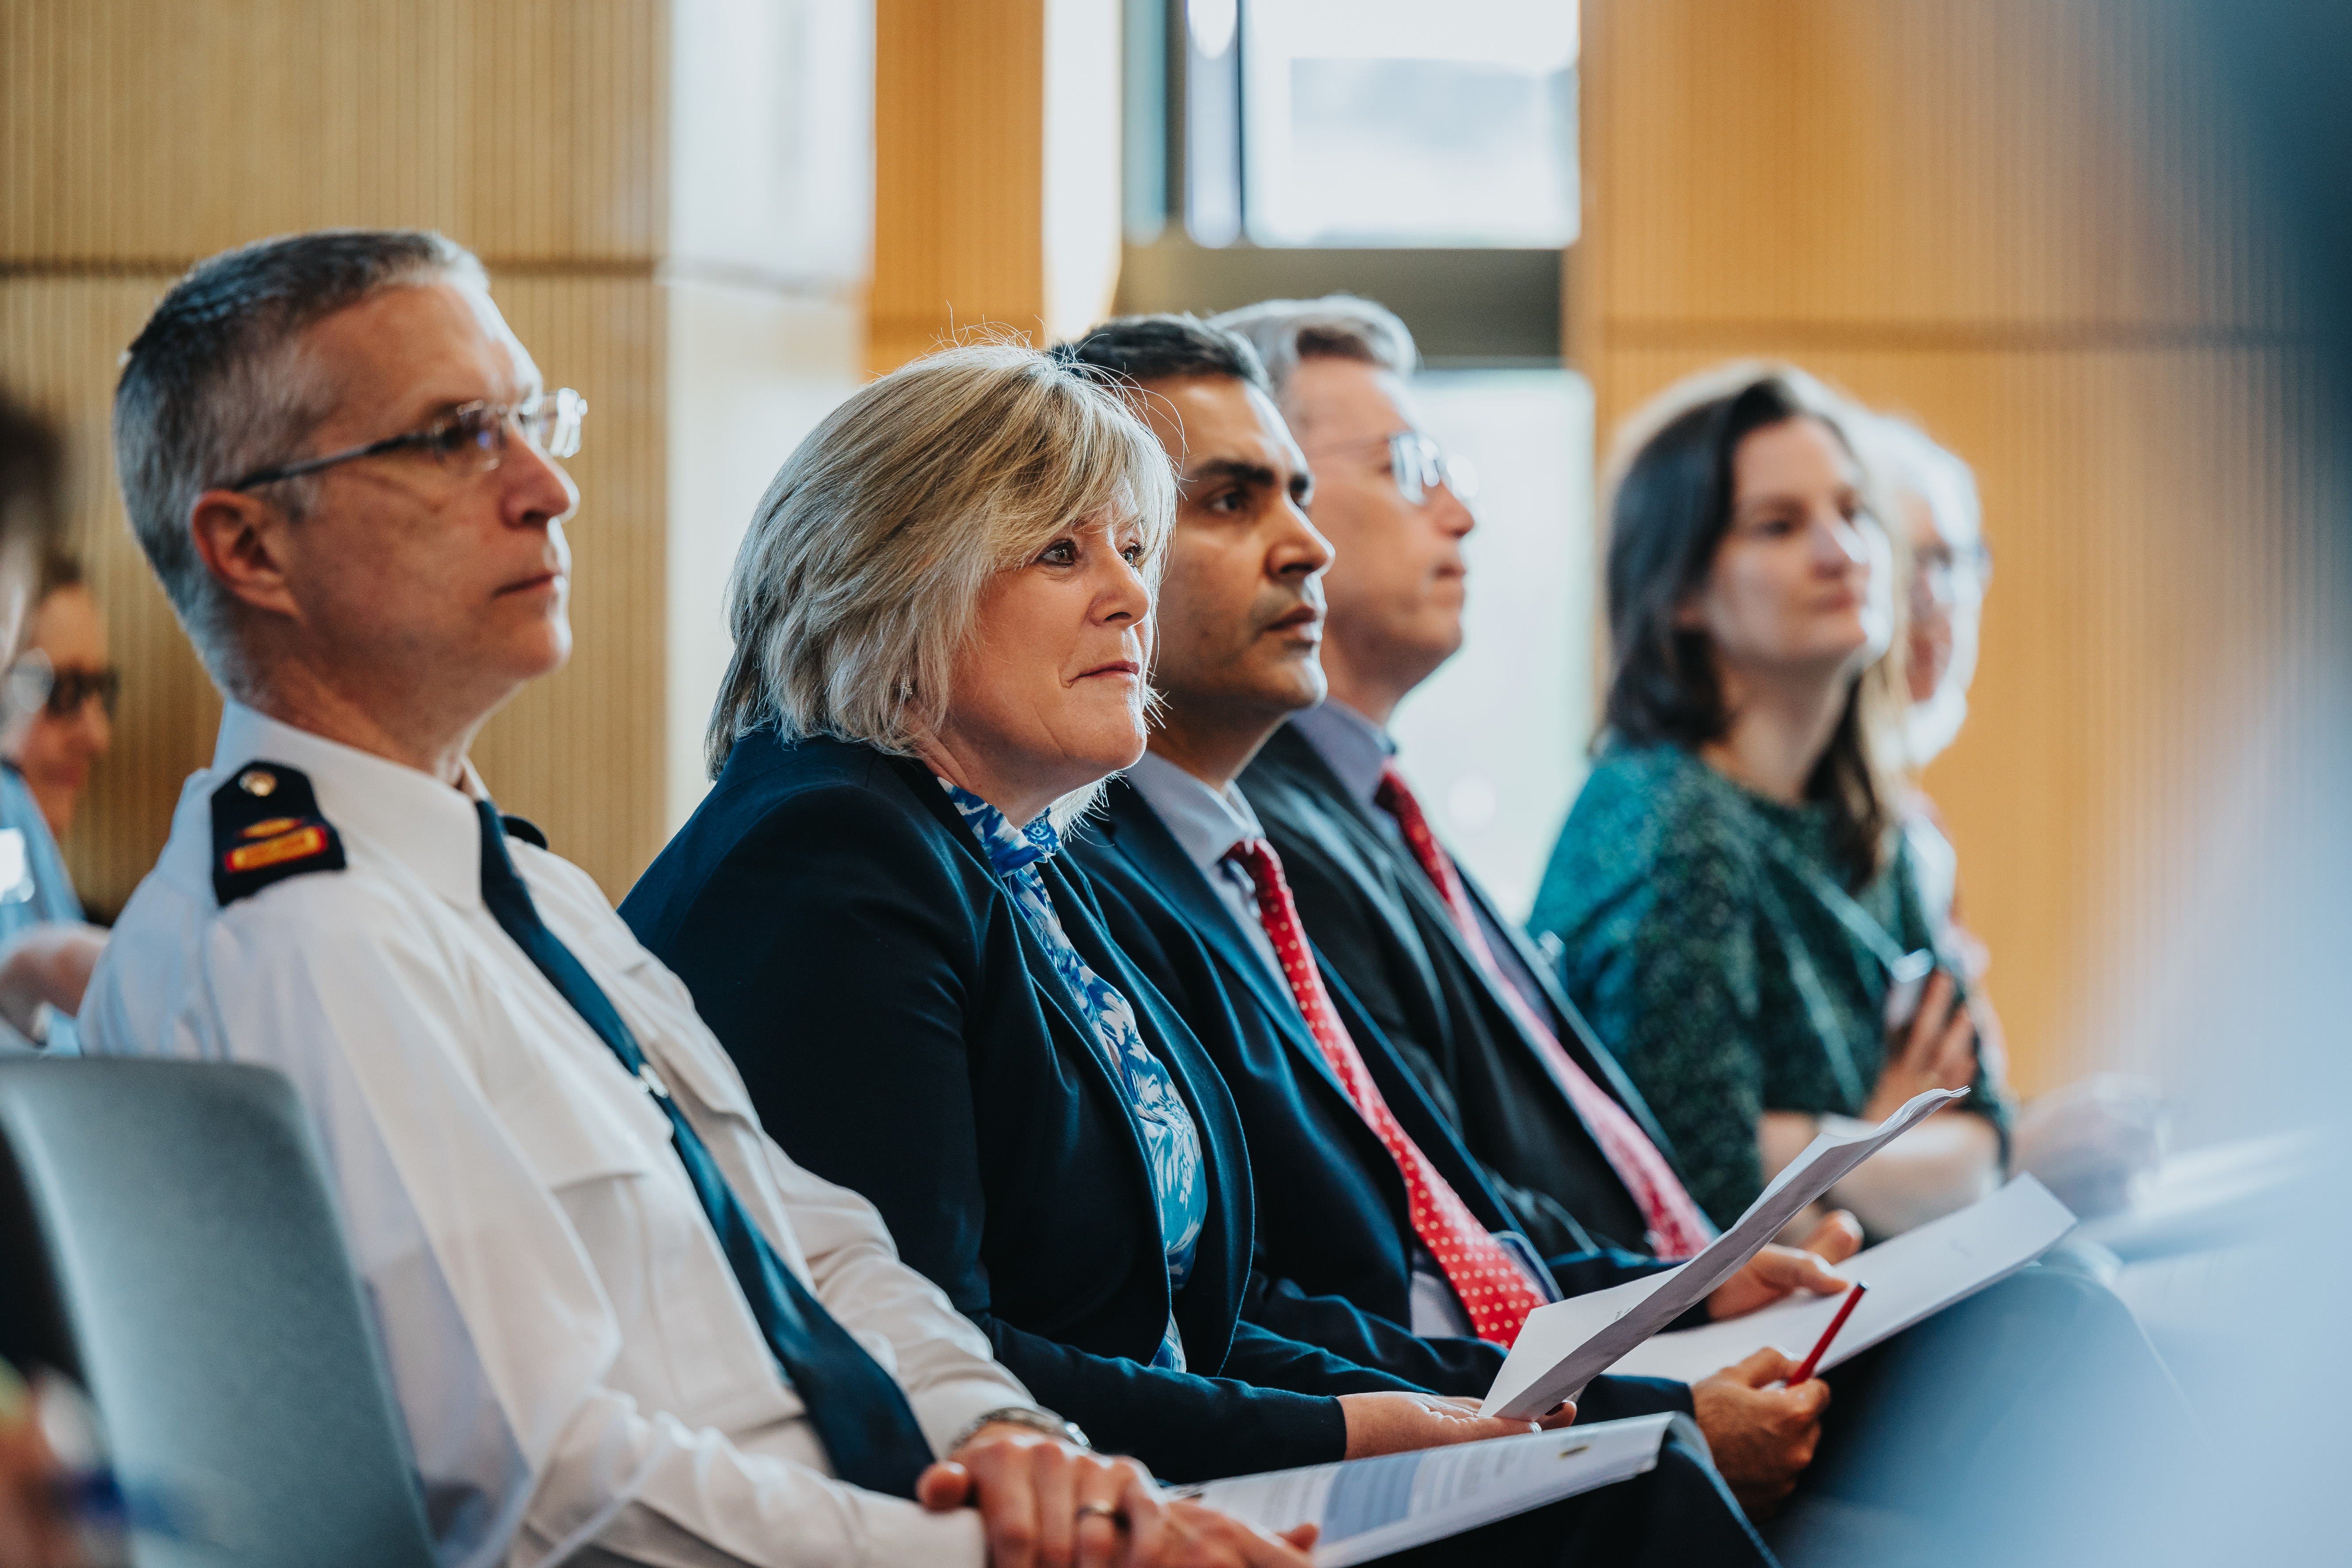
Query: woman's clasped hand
[[1935, 1048], [1047, 1504]]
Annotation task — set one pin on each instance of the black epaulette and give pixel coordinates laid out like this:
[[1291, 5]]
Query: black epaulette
[[266, 828], [527, 830]]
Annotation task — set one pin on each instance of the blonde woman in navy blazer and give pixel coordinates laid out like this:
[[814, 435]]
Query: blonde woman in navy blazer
[[941, 620]]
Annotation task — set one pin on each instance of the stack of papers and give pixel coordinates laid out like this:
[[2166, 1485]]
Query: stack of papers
[[1568, 1344], [1911, 1277], [1371, 1508]]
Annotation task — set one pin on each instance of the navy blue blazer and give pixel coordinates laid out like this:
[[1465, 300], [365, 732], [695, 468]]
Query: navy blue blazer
[[1335, 1236], [902, 1032], [1383, 927]]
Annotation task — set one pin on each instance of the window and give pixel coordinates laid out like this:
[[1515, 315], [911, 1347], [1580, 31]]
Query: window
[[1378, 122], [1408, 123]]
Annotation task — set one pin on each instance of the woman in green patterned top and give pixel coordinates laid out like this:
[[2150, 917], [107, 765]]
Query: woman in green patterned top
[[1738, 919]]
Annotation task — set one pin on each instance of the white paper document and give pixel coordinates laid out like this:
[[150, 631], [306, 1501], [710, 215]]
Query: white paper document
[[1370, 1507], [1568, 1344], [1911, 1277]]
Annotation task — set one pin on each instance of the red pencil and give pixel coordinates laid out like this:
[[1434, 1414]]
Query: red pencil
[[1821, 1346]]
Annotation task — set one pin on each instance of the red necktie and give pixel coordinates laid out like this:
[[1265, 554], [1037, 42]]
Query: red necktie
[[1489, 1282], [1677, 1228]]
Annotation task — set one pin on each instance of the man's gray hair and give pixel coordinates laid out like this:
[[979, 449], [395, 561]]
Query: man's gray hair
[[1337, 326], [857, 579], [216, 387]]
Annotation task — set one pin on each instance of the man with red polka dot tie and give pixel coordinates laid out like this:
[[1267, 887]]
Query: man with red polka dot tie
[[2044, 1375], [1377, 1232], [1535, 1097]]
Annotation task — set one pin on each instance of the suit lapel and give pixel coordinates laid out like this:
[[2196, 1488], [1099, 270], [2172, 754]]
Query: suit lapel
[[1429, 914], [1077, 1038], [1339, 829], [1576, 1035], [1370, 842], [1145, 843], [1137, 834]]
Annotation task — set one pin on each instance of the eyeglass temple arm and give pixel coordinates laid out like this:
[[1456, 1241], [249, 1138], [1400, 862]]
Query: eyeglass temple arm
[[313, 465]]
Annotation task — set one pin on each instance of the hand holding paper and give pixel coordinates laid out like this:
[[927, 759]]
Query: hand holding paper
[[1913, 1277], [1566, 1344], [1367, 1509]]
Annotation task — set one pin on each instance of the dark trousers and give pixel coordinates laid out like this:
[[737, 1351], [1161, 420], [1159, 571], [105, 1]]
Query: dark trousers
[[1676, 1516], [2032, 1423]]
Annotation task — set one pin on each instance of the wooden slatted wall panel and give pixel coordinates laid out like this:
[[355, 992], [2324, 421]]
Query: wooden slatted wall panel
[[137, 135], [1977, 212], [959, 177]]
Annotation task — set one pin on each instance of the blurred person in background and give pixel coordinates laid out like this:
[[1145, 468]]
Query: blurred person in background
[[75, 725], [2091, 1140], [47, 950], [1338, 1129], [1738, 911]]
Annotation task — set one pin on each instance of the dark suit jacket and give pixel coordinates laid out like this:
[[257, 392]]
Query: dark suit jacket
[[902, 1032], [1383, 927], [1335, 1238]]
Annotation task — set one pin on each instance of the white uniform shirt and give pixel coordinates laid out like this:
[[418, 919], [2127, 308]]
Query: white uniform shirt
[[579, 1374]]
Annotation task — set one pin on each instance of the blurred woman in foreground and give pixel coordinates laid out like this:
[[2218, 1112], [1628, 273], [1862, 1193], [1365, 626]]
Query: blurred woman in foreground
[[1739, 916]]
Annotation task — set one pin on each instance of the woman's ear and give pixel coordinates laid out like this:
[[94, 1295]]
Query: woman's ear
[[241, 540]]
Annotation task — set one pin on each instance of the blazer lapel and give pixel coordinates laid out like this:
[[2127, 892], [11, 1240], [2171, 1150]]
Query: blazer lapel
[[1144, 841], [1429, 913], [1577, 1036], [1078, 1037], [1221, 1257]]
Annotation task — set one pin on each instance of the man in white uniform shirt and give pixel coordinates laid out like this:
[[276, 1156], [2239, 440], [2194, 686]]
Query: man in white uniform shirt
[[621, 1324]]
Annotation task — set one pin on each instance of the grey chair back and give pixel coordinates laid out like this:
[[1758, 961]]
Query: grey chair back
[[168, 1240]]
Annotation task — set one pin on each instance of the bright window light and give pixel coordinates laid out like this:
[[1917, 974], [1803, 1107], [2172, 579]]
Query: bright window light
[[1408, 123]]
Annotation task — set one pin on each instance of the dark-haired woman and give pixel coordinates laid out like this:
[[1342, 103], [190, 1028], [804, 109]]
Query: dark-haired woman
[[1737, 915]]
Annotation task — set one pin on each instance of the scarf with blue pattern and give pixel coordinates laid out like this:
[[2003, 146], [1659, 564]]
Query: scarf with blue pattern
[[1171, 1144]]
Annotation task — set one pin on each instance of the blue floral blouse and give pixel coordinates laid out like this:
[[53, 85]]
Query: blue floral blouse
[[1171, 1144]]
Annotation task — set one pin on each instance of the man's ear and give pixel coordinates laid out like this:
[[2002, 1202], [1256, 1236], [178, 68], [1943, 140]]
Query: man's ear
[[242, 541]]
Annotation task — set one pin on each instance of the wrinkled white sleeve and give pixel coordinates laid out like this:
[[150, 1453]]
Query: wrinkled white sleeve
[[939, 1356], [496, 1329]]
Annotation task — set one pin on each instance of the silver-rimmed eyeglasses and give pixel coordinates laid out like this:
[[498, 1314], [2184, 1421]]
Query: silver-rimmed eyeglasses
[[1420, 464], [470, 439]]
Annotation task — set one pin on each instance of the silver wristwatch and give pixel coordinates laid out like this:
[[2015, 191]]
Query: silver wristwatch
[[1027, 1415]]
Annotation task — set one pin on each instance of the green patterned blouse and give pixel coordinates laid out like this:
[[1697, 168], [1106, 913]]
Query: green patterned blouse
[[1707, 938]]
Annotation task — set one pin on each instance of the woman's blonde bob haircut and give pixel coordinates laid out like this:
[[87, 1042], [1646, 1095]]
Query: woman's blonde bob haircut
[[856, 579]]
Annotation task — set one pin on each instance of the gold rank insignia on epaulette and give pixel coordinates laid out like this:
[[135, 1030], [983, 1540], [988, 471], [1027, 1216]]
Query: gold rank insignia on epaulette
[[266, 828]]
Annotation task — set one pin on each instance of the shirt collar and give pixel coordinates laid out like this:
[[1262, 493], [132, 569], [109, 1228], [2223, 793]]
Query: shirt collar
[[1207, 822], [1008, 848], [1353, 747], [408, 816]]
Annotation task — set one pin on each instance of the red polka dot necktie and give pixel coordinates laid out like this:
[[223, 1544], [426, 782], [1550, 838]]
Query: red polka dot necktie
[[1494, 1290], [1677, 1228]]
